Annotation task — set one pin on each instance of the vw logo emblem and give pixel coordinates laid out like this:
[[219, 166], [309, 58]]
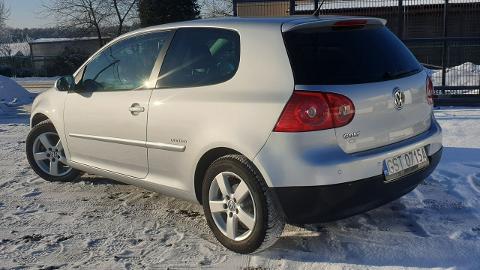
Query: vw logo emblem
[[398, 98]]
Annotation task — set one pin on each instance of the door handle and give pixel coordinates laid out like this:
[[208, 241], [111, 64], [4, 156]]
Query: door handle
[[136, 109]]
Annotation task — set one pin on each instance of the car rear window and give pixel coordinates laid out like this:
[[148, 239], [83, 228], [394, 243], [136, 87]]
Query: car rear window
[[324, 56]]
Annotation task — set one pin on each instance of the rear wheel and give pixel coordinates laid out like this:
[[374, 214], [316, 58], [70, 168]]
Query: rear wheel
[[46, 155], [238, 206]]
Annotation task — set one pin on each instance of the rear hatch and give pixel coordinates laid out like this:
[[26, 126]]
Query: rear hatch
[[362, 60]]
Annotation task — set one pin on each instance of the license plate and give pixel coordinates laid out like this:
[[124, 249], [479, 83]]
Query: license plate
[[405, 163]]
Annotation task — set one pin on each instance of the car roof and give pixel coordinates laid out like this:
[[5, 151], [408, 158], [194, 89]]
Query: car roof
[[229, 22], [236, 22]]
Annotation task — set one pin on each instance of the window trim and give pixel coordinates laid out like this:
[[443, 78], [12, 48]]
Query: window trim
[[157, 65], [158, 82], [154, 76]]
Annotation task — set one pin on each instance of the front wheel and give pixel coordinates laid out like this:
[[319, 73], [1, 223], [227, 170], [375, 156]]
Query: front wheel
[[46, 155], [239, 208]]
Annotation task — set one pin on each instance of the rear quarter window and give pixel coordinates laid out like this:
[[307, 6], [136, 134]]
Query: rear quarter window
[[200, 56], [334, 57]]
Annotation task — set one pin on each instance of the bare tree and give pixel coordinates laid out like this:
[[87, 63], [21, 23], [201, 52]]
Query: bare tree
[[5, 49], [90, 14], [217, 8], [4, 14], [4, 35], [124, 10]]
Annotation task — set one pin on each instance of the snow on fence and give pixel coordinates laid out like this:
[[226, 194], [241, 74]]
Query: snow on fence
[[467, 74]]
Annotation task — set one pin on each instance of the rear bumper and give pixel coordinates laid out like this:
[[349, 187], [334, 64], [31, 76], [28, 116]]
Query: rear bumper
[[312, 204], [315, 158]]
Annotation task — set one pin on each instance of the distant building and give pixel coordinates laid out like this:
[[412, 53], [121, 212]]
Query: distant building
[[44, 50], [258, 8]]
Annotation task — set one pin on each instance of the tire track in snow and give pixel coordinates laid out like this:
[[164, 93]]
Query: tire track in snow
[[474, 181], [119, 226]]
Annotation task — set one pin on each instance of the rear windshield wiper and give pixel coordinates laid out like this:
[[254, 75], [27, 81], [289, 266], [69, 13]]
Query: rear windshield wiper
[[395, 75]]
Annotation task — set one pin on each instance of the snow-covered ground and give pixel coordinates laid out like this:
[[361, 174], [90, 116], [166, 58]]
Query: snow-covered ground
[[35, 79], [36, 84], [12, 94], [96, 223]]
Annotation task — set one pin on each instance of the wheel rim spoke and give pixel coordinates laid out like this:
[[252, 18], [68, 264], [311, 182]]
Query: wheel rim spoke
[[223, 184], [246, 218], [61, 154], [232, 226], [59, 145], [40, 156], [54, 168], [44, 141], [241, 192], [63, 160], [217, 206]]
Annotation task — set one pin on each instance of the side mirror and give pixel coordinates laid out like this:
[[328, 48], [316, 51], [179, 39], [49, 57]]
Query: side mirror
[[65, 83]]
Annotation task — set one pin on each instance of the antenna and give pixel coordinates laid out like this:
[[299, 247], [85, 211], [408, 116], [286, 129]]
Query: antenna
[[317, 12]]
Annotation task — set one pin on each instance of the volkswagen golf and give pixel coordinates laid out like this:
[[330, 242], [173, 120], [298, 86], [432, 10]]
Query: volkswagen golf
[[263, 121]]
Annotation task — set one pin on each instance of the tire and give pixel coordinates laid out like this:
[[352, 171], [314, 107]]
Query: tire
[[259, 203], [44, 141]]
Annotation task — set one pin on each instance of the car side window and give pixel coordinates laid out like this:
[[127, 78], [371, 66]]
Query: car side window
[[200, 56], [125, 65]]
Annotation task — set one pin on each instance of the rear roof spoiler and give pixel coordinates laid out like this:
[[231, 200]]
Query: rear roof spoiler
[[326, 22]]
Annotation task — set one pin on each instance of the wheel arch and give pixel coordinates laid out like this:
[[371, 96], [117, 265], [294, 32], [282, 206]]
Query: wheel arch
[[55, 116], [203, 164], [37, 119], [41, 116]]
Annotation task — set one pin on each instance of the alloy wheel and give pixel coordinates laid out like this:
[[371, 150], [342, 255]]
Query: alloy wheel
[[49, 154], [232, 206]]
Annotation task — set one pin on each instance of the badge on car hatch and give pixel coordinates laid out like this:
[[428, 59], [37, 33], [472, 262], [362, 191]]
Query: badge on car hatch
[[398, 98], [351, 135]]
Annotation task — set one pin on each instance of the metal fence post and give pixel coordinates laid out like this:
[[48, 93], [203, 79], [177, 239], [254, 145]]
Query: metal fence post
[[445, 46], [292, 7], [315, 4], [401, 19], [234, 4]]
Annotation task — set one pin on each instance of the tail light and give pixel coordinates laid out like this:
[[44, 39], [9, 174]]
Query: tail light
[[429, 90], [309, 111]]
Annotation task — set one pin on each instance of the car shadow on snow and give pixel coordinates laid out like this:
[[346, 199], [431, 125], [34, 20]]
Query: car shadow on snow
[[437, 225], [95, 180], [460, 155]]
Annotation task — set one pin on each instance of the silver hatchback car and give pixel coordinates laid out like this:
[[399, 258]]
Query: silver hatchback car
[[262, 121]]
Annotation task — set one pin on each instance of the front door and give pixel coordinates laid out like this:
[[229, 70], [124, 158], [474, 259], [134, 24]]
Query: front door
[[195, 67], [106, 118]]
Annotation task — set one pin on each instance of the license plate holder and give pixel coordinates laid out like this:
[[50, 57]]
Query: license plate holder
[[406, 163]]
